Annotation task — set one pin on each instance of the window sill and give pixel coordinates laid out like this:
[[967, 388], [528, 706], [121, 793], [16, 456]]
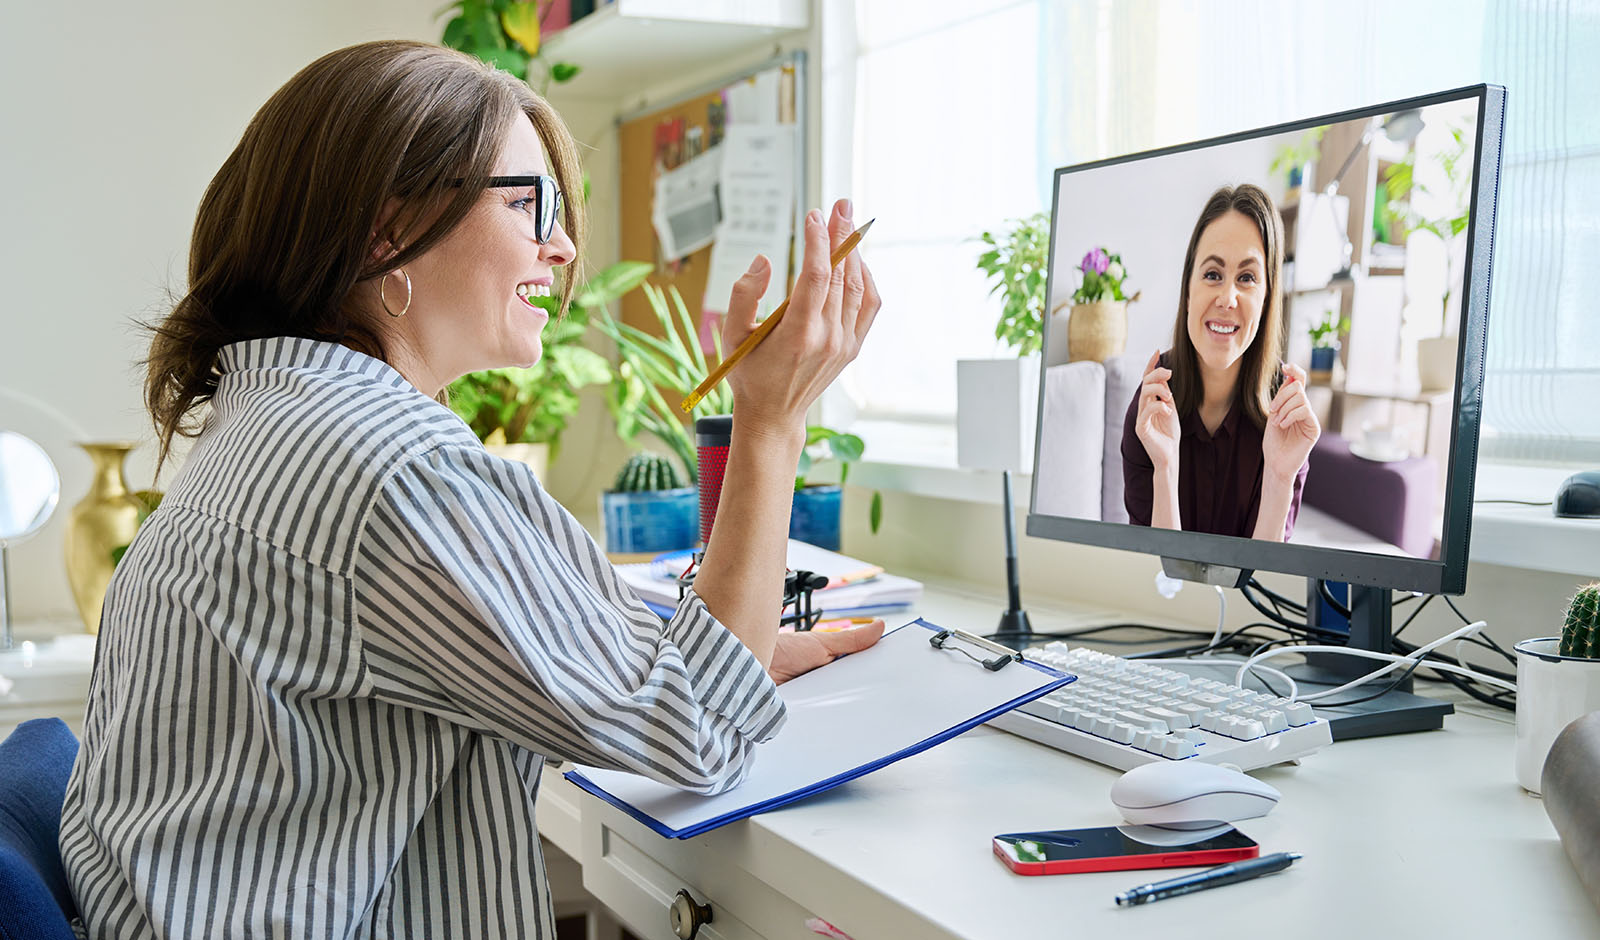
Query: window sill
[[919, 459]]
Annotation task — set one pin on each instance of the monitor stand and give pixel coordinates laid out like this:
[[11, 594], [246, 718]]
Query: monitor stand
[[1371, 628]]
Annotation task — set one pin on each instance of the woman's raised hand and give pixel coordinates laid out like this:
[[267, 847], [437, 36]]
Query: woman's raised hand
[[828, 317], [1157, 421], [1292, 427]]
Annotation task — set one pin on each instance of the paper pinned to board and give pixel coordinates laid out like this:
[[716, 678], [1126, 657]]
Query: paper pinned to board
[[757, 193], [685, 211]]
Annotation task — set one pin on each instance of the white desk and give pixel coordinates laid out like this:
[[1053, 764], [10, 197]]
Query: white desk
[[1422, 835]]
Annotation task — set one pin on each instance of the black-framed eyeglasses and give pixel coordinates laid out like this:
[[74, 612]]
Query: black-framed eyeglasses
[[545, 203]]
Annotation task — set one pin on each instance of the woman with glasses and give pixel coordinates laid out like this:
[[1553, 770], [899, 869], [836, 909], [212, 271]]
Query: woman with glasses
[[1218, 436], [334, 661]]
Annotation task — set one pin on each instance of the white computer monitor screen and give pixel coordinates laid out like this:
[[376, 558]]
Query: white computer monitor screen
[[1316, 274]]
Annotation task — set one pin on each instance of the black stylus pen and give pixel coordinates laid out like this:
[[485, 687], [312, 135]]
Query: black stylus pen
[[1210, 878]]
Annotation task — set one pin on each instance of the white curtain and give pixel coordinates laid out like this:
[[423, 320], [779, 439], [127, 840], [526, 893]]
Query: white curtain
[[962, 111]]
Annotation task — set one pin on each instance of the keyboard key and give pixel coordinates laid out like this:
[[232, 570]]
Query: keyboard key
[[1141, 720], [1175, 720], [1274, 721], [1176, 749], [1299, 714]]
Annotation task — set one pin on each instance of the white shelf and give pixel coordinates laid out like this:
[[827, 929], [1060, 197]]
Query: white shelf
[[630, 46]]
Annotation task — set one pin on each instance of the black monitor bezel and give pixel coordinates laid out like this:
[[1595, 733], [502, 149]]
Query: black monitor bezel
[[1448, 575]]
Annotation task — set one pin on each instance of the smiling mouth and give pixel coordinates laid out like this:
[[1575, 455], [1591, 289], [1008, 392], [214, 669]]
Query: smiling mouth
[[1222, 329], [529, 291]]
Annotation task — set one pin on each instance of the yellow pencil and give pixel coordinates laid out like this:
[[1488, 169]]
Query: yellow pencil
[[755, 338]]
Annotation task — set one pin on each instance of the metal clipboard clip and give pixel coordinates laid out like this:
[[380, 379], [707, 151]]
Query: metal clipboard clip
[[941, 640]]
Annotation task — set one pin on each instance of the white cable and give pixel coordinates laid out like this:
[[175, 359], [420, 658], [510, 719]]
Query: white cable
[[1394, 661], [1222, 612], [1293, 688]]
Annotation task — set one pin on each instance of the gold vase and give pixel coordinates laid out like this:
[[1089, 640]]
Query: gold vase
[[105, 519]]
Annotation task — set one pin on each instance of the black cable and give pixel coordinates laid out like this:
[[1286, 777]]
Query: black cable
[[1102, 628], [1404, 675], [1338, 606], [1406, 649], [1425, 602]]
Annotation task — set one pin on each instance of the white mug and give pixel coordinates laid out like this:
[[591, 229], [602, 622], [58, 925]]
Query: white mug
[[1552, 692]]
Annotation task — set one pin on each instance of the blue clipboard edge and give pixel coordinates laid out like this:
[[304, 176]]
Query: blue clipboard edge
[[662, 829]]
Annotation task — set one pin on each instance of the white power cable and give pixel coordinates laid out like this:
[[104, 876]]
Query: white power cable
[[1394, 661], [1222, 613]]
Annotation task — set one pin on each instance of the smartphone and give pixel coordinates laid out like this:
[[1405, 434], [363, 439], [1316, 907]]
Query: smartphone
[[1120, 848]]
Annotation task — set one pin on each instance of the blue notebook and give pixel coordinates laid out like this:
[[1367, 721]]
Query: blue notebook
[[846, 719]]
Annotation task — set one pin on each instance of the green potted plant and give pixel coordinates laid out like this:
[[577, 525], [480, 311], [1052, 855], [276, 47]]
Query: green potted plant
[[649, 508], [1326, 336], [506, 34], [520, 413], [651, 367], [1558, 681], [997, 398]]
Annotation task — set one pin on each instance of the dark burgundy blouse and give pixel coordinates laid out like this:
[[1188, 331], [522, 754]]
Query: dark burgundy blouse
[[1219, 475]]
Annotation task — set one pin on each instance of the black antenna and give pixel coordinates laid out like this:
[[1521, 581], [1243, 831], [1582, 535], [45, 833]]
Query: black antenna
[[1014, 627]]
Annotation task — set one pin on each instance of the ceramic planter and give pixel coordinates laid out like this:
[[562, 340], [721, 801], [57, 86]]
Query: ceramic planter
[[651, 520]]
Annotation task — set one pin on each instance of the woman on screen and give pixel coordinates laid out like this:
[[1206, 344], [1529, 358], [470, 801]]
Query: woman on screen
[[1217, 437]]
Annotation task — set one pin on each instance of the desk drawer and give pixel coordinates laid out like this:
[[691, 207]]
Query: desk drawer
[[637, 873]]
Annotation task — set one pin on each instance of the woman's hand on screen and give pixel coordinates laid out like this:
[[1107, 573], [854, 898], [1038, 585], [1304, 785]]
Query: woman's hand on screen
[[829, 314], [1292, 427], [1157, 421]]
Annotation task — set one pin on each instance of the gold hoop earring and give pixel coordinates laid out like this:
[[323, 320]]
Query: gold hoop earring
[[383, 282]]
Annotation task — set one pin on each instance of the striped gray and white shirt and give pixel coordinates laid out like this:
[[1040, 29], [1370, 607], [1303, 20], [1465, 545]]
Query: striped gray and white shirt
[[333, 662]]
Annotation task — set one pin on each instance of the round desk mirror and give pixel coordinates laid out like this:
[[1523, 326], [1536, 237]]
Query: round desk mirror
[[29, 488]]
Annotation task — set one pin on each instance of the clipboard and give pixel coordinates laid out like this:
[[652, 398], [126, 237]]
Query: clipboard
[[858, 713]]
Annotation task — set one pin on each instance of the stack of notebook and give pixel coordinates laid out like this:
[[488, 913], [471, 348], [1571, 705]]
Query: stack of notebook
[[855, 588]]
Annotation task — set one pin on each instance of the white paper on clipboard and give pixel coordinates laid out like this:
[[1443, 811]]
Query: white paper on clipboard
[[846, 719], [757, 189]]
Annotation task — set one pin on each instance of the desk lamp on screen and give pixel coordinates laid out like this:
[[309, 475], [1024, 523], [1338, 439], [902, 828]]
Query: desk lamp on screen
[[1214, 444]]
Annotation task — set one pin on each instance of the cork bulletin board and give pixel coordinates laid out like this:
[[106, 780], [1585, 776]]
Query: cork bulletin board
[[664, 138]]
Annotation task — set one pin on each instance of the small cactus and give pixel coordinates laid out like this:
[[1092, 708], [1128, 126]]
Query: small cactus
[[1580, 636], [645, 472]]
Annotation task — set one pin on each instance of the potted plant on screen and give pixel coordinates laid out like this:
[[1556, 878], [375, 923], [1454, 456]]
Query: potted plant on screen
[[654, 372], [1326, 336], [520, 414], [1097, 324], [997, 398]]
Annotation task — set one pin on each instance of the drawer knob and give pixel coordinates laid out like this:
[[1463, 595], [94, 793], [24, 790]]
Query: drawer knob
[[686, 916]]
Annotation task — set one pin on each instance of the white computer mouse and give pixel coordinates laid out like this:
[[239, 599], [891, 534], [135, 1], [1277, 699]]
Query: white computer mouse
[[1188, 794]]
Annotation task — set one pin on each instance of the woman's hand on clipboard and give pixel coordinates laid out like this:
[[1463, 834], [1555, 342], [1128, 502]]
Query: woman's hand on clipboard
[[829, 315], [798, 653]]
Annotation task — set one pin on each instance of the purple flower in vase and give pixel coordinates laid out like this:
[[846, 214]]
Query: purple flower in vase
[[1096, 261]]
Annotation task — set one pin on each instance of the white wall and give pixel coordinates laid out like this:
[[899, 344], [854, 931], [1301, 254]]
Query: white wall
[[116, 115]]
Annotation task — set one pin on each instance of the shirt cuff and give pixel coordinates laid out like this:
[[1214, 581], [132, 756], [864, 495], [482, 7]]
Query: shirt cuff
[[726, 677]]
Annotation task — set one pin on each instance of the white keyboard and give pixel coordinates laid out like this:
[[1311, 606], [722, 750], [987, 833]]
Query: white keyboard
[[1123, 713]]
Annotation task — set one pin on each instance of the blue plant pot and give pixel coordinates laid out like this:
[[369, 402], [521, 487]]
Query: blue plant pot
[[653, 521], [1322, 358], [815, 516]]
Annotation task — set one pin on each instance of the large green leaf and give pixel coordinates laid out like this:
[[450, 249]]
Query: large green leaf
[[612, 282]]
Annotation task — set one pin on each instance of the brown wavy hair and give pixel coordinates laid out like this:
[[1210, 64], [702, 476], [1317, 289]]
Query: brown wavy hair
[[1260, 372], [285, 231]]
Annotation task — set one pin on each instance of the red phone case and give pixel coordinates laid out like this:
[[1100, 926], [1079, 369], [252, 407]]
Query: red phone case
[[1126, 862]]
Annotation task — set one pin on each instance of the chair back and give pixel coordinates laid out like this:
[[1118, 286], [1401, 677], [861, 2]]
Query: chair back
[[35, 762]]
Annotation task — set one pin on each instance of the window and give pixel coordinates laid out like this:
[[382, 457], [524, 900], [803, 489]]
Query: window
[[961, 112]]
